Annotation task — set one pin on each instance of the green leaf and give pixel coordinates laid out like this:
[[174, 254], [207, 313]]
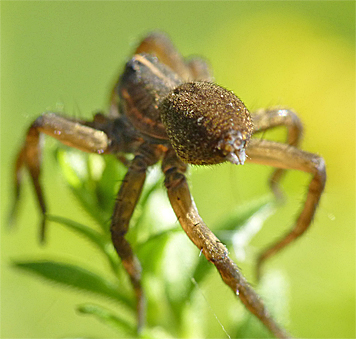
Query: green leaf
[[140, 224], [94, 236], [150, 252], [76, 277], [88, 176], [103, 242], [241, 214], [109, 183], [108, 318], [118, 323]]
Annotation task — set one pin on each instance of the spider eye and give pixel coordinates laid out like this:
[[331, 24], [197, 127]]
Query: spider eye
[[206, 124]]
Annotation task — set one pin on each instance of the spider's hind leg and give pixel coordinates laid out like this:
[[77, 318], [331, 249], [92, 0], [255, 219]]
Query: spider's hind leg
[[160, 45]]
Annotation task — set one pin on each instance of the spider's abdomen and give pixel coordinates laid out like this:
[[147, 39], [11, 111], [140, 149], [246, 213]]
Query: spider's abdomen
[[143, 85], [206, 124]]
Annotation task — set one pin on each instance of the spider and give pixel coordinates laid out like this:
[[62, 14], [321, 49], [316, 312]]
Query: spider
[[166, 108]]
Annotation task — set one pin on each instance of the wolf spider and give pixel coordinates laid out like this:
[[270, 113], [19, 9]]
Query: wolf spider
[[166, 108]]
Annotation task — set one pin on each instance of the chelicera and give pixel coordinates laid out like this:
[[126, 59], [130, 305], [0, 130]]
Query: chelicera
[[166, 108]]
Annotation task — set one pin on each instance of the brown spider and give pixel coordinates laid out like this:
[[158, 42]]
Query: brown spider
[[165, 108]]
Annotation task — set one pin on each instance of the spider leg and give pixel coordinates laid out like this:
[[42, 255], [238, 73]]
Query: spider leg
[[70, 132], [199, 70], [188, 216], [129, 193], [265, 119], [160, 45], [285, 157]]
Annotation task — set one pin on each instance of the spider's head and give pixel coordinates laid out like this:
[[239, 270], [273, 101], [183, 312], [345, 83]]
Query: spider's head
[[206, 124]]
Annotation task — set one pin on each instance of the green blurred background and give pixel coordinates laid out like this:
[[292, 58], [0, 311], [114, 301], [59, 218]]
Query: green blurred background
[[297, 54]]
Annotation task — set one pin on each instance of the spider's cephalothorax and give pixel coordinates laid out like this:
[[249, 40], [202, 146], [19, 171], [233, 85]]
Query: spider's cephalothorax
[[205, 123], [166, 108]]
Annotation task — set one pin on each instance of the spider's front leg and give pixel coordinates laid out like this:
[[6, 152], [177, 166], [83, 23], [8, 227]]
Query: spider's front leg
[[70, 132], [190, 220], [284, 156], [129, 193], [265, 119]]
